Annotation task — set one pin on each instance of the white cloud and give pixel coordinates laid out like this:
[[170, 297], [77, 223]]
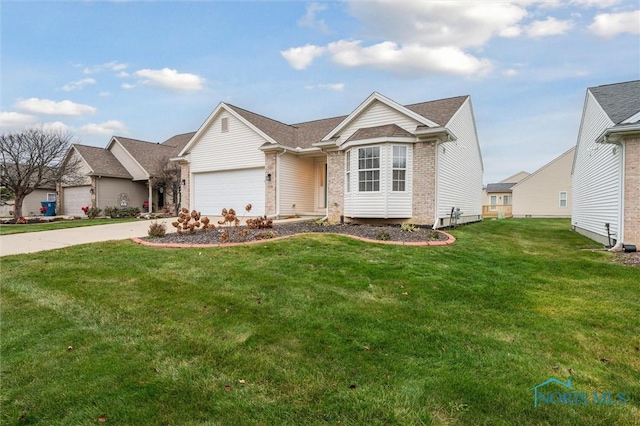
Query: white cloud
[[123, 74], [78, 85], [409, 59], [104, 94], [171, 79], [49, 107], [595, 3], [301, 57], [127, 86], [336, 87], [55, 126], [438, 23], [310, 20], [612, 24], [13, 120], [109, 66], [110, 127], [510, 72], [548, 27]]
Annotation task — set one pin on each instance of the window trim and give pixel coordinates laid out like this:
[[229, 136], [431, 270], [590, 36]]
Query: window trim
[[565, 199], [394, 169], [372, 170], [348, 170], [51, 195]]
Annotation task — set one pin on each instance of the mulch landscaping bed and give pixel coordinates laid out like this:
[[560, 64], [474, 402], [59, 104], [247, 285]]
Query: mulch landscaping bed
[[235, 235], [630, 259]]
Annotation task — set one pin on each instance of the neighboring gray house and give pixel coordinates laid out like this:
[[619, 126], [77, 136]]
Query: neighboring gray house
[[119, 175], [606, 167], [383, 161]]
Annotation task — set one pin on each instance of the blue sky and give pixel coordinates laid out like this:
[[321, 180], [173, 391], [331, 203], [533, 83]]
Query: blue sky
[[153, 69]]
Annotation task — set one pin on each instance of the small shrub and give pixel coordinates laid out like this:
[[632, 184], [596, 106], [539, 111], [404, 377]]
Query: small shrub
[[408, 227], [93, 212], [189, 222], [435, 235], [383, 236], [115, 212], [260, 223], [157, 229], [266, 235]]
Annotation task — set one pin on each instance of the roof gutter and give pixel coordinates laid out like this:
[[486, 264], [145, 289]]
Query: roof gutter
[[617, 133], [442, 134]]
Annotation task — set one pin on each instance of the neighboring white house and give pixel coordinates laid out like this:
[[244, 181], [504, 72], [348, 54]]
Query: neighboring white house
[[547, 191], [383, 161], [606, 168]]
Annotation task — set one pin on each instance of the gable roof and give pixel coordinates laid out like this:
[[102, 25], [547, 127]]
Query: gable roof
[[101, 161], [500, 187], [305, 134], [178, 142], [439, 111], [619, 101], [149, 155], [571, 152], [377, 97]]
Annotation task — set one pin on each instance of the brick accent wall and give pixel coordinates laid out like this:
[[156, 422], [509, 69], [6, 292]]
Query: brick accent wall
[[185, 190], [424, 183], [270, 205], [632, 191], [335, 185]]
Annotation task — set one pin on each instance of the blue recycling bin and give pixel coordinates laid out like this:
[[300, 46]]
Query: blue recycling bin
[[50, 206]]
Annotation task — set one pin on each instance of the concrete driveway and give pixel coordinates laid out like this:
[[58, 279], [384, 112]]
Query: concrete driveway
[[32, 242]]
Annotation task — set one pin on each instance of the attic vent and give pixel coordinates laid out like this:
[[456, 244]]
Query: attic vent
[[225, 124]]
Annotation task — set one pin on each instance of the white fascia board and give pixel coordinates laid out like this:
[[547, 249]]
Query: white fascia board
[[633, 119], [180, 160], [379, 140], [212, 117], [615, 134], [436, 133], [375, 96]]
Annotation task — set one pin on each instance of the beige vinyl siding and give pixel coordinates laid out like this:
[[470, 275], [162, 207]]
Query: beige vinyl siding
[[459, 167], [109, 190], [236, 148], [378, 114], [31, 203], [297, 178], [539, 194], [128, 162], [83, 170], [596, 175]]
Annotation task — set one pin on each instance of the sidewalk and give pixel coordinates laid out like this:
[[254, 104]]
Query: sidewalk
[[32, 242]]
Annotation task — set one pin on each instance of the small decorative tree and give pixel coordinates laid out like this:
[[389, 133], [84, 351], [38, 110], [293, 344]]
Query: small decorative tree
[[191, 221]]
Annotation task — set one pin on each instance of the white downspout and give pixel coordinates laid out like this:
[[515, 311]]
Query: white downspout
[[620, 239]]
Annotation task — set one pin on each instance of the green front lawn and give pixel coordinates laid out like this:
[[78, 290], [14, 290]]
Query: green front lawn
[[62, 224], [323, 329]]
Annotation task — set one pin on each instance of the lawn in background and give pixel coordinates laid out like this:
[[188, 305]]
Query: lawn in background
[[322, 329], [59, 224]]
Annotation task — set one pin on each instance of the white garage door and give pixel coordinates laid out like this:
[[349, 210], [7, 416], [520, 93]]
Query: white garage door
[[234, 189], [75, 198]]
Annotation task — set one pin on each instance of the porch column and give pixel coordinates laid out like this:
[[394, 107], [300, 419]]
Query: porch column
[[150, 196], [424, 182], [632, 191], [335, 185]]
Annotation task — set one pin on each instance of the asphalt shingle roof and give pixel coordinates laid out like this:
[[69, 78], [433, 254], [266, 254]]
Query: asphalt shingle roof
[[388, 130], [500, 187], [102, 161], [151, 156], [178, 142], [620, 101], [305, 134]]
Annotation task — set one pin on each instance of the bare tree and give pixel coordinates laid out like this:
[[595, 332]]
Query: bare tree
[[35, 158], [167, 176]]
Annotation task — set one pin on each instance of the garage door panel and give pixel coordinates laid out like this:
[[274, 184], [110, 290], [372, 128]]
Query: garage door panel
[[234, 189], [75, 198]]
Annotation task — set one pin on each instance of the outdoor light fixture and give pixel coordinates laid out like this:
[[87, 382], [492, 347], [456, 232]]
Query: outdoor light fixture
[[183, 182], [268, 177], [91, 191]]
